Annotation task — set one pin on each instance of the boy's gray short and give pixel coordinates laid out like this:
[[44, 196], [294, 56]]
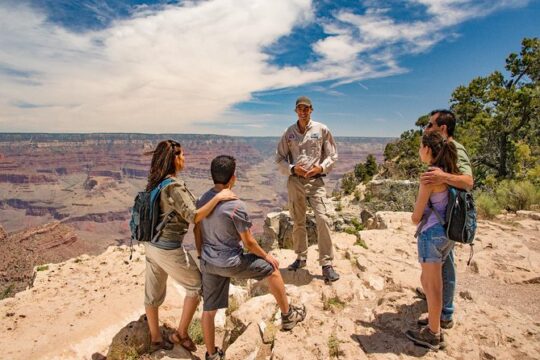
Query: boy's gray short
[[216, 280]]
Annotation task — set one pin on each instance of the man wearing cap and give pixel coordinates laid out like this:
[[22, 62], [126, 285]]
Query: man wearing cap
[[307, 152]]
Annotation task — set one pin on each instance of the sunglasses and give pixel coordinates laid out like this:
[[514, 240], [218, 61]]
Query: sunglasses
[[428, 126]]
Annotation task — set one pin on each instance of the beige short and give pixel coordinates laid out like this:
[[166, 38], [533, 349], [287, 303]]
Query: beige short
[[160, 264]]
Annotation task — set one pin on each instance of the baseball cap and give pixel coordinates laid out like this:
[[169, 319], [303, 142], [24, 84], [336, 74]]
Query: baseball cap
[[303, 100]]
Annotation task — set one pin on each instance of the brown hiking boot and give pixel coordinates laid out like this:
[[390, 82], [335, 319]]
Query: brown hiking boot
[[297, 264], [329, 274]]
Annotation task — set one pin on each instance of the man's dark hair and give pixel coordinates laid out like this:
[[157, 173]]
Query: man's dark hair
[[222, 169], [446, 117]]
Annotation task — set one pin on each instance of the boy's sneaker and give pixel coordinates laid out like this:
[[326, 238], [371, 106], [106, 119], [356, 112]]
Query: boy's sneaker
[[218, 355], [297, 264], [295, 315], [445, 324], [329, 274], [424, 337]]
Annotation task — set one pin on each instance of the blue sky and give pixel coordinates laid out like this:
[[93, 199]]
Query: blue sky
[[235, 67]]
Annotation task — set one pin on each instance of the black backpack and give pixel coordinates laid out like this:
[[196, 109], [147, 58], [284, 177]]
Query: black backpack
[[460, 222], [144, 224]]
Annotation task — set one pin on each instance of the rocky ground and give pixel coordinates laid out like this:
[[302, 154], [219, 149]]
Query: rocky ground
[[75, 308]]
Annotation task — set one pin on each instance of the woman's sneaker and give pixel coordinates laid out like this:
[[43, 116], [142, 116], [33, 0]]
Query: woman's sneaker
[[424, 337], [295, 315], [218, 355]]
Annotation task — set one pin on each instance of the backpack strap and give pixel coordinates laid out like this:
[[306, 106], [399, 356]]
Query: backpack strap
[[439, 217], [423, 221], [168, 216]]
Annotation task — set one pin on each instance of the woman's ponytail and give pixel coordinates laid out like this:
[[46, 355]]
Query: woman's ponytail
[[444, 152]]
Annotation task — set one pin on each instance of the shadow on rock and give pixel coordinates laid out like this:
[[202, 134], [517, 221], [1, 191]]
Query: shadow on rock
[[386, 333], [299, 277]]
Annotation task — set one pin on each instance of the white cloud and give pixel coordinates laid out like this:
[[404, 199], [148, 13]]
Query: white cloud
[[165, 70]]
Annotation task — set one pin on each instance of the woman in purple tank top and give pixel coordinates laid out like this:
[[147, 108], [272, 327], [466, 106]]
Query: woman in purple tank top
[[433, 245]]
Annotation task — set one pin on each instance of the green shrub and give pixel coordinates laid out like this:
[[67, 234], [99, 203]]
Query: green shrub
[[360, 242], [233, 305], [350, 230], [334, 350], [333, 303], [124, 352], [486, 205], [357, 224], [6, 292], [195, 331], [42, 268], [348, 183], [517, 195]]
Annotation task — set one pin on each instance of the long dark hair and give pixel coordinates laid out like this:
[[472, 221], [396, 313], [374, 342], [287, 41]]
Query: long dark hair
[[163, 157], [443, 152]]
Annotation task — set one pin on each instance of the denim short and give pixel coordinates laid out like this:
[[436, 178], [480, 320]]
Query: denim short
[[216, 280], [433, 245]]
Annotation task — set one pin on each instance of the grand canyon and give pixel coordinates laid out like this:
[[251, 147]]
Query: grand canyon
[[62, 195]]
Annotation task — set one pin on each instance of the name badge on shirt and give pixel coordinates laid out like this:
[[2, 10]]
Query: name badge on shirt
[[315, 136]]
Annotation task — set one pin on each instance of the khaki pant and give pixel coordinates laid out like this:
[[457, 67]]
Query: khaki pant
[[310, 190], [177, 263]]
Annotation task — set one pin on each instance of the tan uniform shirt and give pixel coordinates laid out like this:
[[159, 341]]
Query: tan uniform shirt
[[314, 147], [177, 196]]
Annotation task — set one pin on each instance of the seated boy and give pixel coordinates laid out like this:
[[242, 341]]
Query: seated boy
[[219, 239]]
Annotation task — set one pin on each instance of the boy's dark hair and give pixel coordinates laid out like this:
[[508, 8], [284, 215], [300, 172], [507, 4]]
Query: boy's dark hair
[[446, 117], [222, 169]]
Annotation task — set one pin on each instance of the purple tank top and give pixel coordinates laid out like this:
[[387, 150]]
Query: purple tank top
[[439, 201]]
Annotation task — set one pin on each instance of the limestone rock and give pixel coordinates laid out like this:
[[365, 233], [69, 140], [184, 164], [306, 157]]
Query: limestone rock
[[365, 215], [277, 230], [246, 345], [255, 309], [529, 214], [374, 282], [268, 331], [466, 294], [134, 338]]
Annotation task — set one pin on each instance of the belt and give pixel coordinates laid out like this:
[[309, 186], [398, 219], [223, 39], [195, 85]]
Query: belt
[[313, 177]]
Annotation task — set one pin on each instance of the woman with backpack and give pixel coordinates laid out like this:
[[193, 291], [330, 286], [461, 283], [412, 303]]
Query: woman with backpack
[[433, 244], [167, 256]]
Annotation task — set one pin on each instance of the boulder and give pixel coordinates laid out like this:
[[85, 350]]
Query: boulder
[[255, 309], [365, 215], [132, 340], [277, 230], [374, 282], [247, 345], [525, 213]]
